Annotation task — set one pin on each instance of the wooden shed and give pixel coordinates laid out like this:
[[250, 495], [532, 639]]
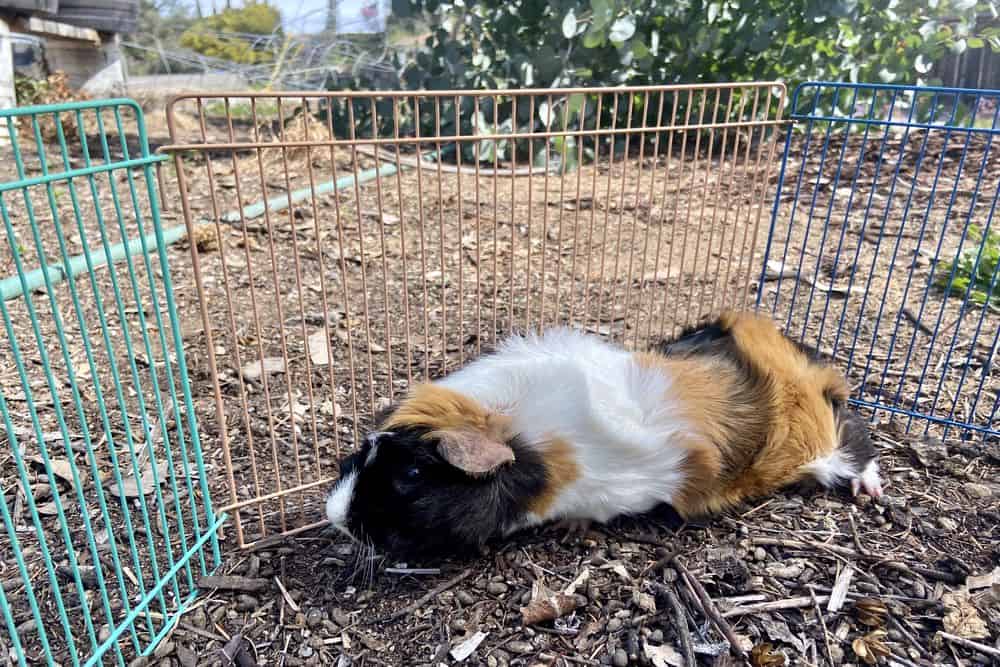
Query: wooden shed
[[78, 37]]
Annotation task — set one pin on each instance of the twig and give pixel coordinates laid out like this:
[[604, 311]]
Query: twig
[[822, 624], [412, 570], [909, 637], [928, 572], [711, 611], [663, 562], [224, 583], [969, 644], [857, 538], [775, 605], [680, 623], [288, 598], [437, 590]]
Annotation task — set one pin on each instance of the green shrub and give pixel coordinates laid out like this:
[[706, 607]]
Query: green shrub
[[965, 276], [530, 43], [231, 34]]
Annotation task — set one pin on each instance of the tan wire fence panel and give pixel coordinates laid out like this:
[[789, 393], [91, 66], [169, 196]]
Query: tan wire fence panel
[[368, 241]]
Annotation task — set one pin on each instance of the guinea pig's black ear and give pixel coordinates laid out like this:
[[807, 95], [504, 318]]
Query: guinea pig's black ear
[[477, 451]]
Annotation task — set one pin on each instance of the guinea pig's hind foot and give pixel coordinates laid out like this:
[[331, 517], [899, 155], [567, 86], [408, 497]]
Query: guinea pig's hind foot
[[868, 481]]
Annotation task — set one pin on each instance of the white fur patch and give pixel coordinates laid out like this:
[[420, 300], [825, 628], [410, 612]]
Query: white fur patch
[[831, 469], [614, 413], [339, 501], [372, 453], [870, 480]]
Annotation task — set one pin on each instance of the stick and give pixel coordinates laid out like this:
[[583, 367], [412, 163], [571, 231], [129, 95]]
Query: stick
[[680, 623], [224, 583], [437, 590], [928, 572], [412, 570], [776, 605], [968, 643], [711, 611], [822, 624], [288, 598], [909, 637]]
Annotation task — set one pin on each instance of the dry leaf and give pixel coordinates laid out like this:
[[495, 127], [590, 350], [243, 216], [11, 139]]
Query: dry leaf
[[871, 612], [319, 348], [644, 601], [981, 581], [60, 468], [778, 631], [47, 509], [468, 646], [961, 618], [765, 655], [663, 656], [546, 605], [871, 648], [269, 365], [130, 486]]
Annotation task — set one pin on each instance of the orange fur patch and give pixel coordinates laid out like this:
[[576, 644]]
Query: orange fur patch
[[758, 422], [440, 409], [561, 470]]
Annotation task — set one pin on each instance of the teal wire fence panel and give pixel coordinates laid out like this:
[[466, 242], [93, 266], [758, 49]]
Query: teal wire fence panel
[[105, 504]]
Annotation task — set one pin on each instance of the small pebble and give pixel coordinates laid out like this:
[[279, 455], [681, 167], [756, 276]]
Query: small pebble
[[496, 588], [614, 625], [305, 651], [246, 603], [759, 554], [458, 625], [976, 490], [947, 523], [620, 658], [465, 597], [314, 618], [520, 647]]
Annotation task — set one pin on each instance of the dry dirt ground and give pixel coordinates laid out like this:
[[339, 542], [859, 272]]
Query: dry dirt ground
[[322, 312]]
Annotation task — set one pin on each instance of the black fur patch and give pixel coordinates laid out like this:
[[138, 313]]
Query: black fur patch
[[409, 500], [855, 441]]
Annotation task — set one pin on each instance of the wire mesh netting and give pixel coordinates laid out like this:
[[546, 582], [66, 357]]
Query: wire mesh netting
[[367, 241], [882, 252], [103, 494]]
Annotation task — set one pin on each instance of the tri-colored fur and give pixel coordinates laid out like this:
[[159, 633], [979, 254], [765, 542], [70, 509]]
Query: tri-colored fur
[[566, 426]]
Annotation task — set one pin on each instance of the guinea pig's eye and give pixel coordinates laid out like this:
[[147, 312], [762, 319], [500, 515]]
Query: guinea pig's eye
[[413, 472]]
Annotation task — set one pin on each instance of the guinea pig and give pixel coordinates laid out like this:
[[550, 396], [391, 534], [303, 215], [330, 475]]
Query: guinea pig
[[566, 426]]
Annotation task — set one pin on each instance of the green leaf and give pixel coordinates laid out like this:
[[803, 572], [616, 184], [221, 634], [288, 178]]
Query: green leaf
[[976, 43], [569, 25], [622, 29], [594, 37], [714, 9]]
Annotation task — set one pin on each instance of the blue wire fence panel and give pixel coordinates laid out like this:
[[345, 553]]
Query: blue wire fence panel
[[105, 507], [883, 253]]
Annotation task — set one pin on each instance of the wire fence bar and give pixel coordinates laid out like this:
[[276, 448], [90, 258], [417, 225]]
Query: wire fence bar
[[370, 240], [882, 251], [107, 517]]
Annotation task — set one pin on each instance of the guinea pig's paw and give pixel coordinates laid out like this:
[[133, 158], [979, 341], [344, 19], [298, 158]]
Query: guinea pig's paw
[[868, 481]]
